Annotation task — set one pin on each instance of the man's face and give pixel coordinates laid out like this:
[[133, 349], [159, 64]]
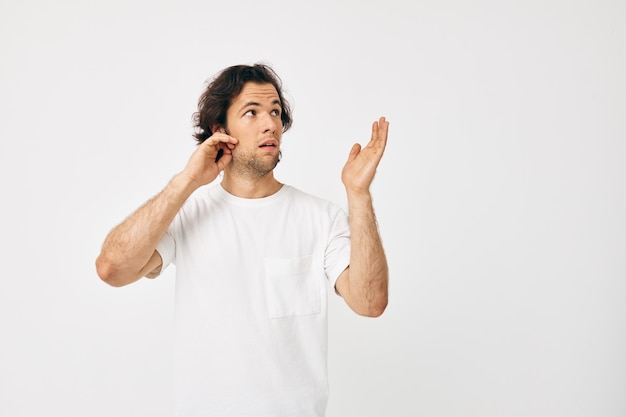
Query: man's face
[[254, 119]]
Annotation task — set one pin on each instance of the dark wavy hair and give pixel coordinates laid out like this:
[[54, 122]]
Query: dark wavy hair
[[224, 87]]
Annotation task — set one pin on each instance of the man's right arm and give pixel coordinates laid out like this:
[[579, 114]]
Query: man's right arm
[[129, 250]]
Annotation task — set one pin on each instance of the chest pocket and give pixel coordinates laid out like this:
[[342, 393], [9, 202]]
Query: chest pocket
[[292, 286]]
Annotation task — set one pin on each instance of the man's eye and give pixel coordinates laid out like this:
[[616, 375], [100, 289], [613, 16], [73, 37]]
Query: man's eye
[[250, 113], [276, 112]]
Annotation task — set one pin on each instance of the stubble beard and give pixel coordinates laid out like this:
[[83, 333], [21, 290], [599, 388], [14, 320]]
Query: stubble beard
[[252, 167]]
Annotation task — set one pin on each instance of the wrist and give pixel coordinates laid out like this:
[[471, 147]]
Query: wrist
[[359, 199], [182, 185]]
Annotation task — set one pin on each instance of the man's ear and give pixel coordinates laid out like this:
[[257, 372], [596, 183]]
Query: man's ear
[[217, 128]]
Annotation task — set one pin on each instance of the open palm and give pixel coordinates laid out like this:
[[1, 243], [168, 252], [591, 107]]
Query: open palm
[[359, 170]]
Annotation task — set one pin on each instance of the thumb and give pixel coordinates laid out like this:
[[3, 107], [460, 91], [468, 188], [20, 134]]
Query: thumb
[[356, 149], [223, 161]]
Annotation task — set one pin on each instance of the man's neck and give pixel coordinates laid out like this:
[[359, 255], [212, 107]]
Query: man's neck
[[251, 188]]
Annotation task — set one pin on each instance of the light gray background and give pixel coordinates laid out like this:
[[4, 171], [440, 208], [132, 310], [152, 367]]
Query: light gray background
[[501, 197]]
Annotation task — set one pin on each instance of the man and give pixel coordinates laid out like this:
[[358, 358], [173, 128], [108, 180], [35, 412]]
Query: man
[[253, 256]]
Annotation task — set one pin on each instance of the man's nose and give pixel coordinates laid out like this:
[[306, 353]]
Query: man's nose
[[268, 123]]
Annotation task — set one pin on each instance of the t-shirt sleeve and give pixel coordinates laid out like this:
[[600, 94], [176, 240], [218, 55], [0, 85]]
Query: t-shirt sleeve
[[167, 249], [337, 257]]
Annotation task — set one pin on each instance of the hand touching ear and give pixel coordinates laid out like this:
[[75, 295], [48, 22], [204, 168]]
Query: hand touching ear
[[204, 165], [359, 170]]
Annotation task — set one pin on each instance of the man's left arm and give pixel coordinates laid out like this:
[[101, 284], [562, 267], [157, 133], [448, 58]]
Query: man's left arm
[[364, 284]]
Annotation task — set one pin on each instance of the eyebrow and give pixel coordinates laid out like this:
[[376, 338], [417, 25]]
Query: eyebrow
[[256, 104]]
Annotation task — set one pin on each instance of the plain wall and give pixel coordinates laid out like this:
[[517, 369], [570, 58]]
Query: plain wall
[[501, 197]]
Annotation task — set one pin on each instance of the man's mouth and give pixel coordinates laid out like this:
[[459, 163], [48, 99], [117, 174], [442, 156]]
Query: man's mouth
[[272, 143]]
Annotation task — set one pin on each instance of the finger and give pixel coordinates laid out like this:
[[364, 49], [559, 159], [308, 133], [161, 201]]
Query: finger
[[223, 161], [380, 130], [221, 138], [354, 152], [381, 126]]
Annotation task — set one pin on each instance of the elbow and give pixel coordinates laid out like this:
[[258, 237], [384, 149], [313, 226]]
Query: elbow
[[375, 310], [370, 301], [108, 273], [380, 309], [377, 301]]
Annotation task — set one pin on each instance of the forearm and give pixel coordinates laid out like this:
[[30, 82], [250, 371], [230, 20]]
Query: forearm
[[368, 273], [130, 245]]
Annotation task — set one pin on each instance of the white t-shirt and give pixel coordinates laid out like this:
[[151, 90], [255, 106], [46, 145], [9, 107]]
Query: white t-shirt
[[251, 301]]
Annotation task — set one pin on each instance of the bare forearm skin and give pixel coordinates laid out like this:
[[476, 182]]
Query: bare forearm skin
[[128, 252], [368, 272]]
